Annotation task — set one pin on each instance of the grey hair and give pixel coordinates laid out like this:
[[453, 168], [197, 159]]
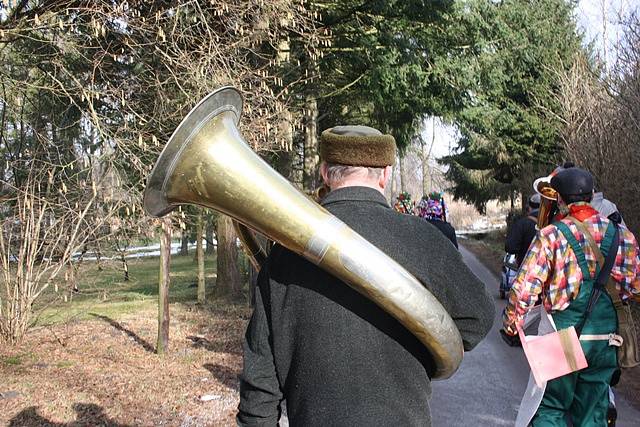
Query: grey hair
[[337, 172]]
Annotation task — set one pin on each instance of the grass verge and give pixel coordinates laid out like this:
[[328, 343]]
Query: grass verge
[[90, 360]]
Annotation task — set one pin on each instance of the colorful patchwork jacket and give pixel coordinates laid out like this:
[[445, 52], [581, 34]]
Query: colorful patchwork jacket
[[550, 269]]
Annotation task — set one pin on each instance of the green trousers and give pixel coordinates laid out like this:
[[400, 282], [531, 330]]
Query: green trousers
[[583, 395]]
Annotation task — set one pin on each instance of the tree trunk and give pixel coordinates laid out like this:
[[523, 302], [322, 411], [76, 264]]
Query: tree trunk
[[427, 184], [394, 183], [125, 266], [163, 286], [200, 256], [184, 246], [425, 175], [311, 159], [228, 275], [70, 278], [99, 257], [210, 228], [403, 178]]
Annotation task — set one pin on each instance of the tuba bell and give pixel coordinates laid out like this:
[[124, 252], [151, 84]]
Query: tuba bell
[[548, 201], [207, 162]]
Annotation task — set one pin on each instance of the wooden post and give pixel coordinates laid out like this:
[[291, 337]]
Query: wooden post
[[163, 286], [200, 256], [184, 243]]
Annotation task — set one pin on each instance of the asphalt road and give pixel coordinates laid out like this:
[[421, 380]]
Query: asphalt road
[[487, 389]]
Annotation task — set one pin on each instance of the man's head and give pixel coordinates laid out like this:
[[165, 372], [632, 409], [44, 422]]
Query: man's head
[[573, 185], [356, 156]]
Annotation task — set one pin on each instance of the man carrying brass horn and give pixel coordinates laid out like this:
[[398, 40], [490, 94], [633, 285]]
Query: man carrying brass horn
[[336, 357]]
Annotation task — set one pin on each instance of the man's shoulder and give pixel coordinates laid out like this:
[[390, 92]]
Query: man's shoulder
[[519, 225], [524, 221], [597, 224], [442, 225], [414, 223], [552, 230]]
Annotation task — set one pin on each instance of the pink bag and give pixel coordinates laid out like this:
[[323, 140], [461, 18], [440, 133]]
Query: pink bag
[[553, 355]]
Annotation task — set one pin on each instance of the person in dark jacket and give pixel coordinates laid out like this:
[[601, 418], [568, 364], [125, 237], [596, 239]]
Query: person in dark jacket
[[334, 356], [523, 230], [433, 209]]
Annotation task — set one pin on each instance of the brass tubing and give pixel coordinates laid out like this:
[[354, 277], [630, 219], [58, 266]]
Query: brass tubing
[[548, 200], [257, 255], [207, 162]]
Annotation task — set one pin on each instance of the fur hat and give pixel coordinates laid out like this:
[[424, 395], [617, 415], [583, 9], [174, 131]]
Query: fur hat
[[357, 146]]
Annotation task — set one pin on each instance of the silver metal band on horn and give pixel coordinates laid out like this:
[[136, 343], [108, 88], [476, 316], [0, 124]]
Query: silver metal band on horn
[[207, 162]]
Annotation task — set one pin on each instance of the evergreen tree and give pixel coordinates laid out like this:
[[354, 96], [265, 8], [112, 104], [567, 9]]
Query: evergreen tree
[[508, 55]]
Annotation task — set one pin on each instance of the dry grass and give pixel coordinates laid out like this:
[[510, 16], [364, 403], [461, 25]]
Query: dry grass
[[463, 215], [104, 372], [101, 370]]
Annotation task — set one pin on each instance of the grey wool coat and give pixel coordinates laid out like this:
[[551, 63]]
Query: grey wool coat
[[333, 355]]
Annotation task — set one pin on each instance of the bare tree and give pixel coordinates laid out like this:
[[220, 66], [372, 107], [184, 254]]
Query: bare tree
[[109, 82], [39, 235], [601, 122]]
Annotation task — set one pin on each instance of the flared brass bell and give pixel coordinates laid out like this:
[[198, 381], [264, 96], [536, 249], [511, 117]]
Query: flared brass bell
[[548, 201], [207, 162]]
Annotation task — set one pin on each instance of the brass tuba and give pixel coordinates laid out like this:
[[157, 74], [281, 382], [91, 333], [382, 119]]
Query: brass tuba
[[548, 201], [206, 162], [255, 251]]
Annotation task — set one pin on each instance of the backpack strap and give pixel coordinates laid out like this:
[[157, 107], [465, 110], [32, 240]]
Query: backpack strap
[[607, 243], [576, 247], [602, 275], [602, 250]]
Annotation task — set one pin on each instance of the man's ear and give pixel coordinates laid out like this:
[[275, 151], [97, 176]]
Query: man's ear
[[384, 176], [323, 173]]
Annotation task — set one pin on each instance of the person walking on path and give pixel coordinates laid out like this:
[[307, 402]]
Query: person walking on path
[[433, 209], [560, 267], [404, 204], [523, 230], [606, 208], [333, 355]]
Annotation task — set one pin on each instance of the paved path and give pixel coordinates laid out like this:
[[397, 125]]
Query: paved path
[[487, 389]]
